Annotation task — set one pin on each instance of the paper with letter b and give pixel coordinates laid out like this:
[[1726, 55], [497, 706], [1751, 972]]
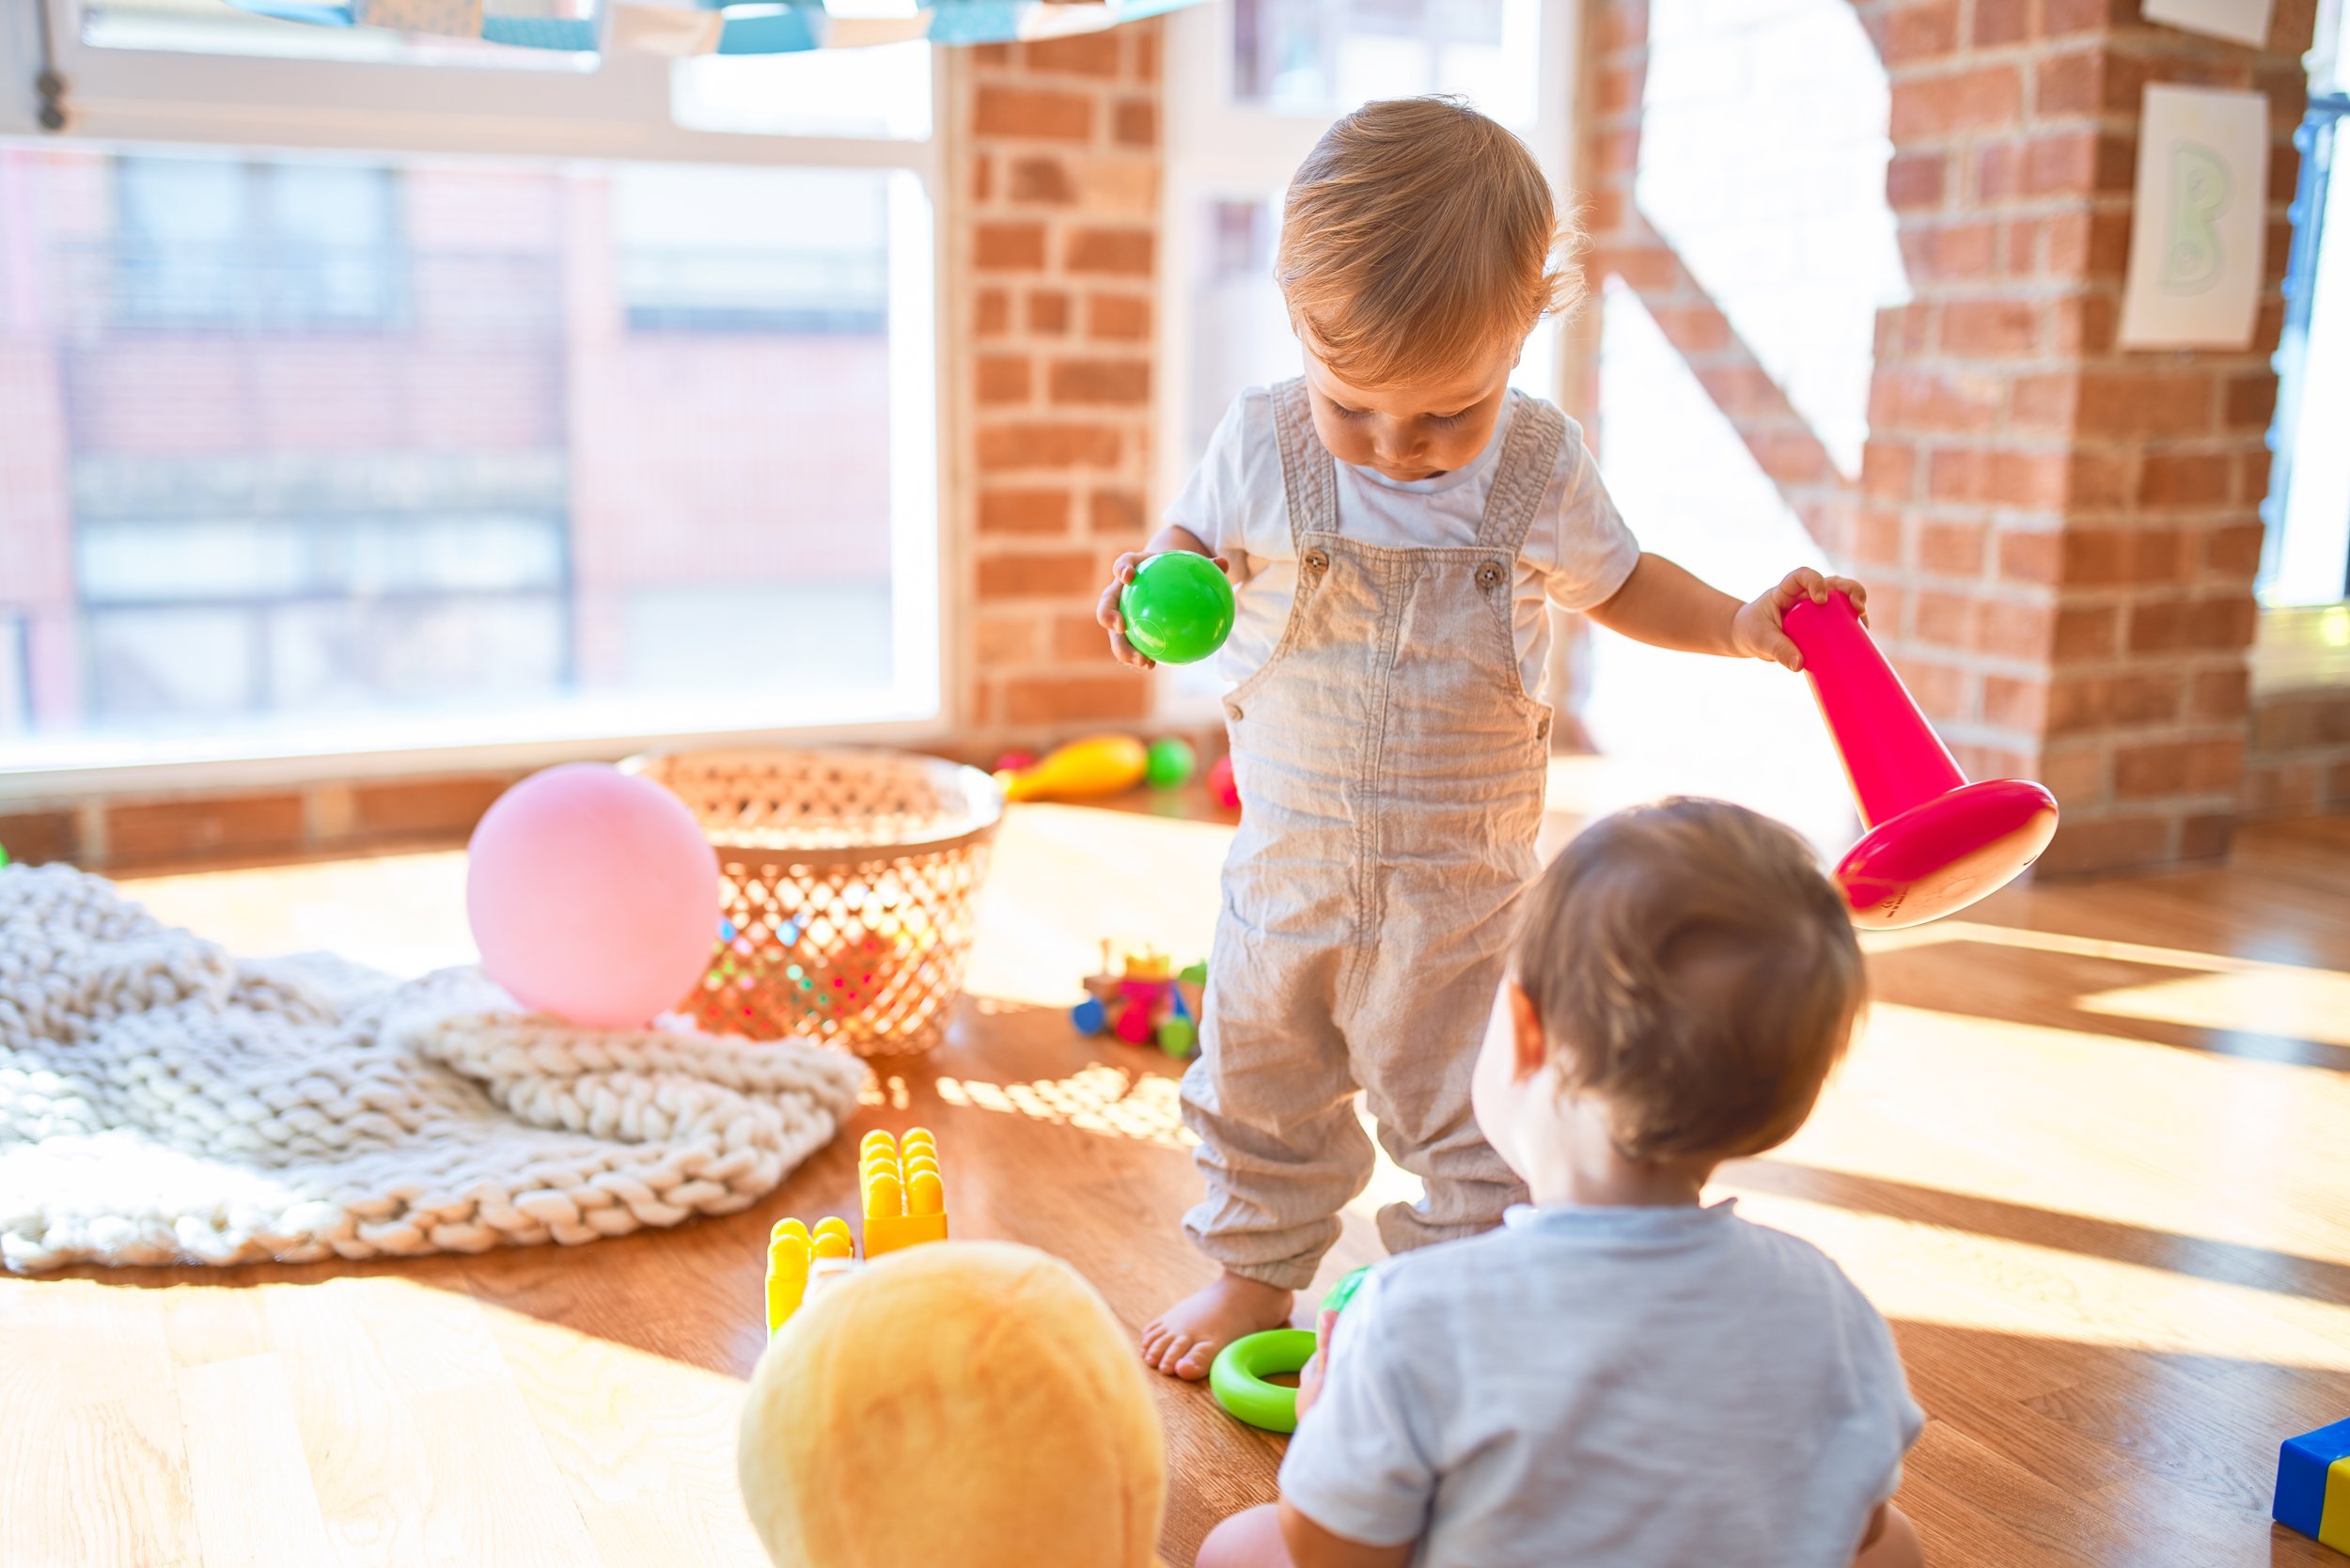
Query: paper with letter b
[[2197, 235]]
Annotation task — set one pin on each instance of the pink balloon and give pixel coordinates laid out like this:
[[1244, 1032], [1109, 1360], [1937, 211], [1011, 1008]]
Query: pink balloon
[[593, 895]]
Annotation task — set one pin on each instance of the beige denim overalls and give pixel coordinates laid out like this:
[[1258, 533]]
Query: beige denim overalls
[[1390, 766]]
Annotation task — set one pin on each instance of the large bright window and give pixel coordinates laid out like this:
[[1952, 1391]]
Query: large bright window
[[2307, 555], [443, 445]]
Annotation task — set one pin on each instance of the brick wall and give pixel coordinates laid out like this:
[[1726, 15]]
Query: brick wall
[[2298, 760], [1052, 265], [360, 816], [2060, 536]]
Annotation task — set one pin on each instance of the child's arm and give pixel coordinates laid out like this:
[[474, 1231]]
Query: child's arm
[[1311, 1546], [1665, 606], [1173, 537]]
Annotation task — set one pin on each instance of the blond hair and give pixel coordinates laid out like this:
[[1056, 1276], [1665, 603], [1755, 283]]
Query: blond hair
[[1695, 971], [1417, 236]]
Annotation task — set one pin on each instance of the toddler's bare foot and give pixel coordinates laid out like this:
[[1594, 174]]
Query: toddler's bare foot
[[1183, 1339]]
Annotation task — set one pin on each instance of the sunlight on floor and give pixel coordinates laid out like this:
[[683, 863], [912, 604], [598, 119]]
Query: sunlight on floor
[[1096, 1099], [401, 914], [2090, 1124], [1041, 954], [2298, 1004], [1942, 932], [1934, 1274]]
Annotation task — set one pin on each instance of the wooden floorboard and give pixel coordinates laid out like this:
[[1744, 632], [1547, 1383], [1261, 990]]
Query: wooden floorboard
[[2092, 1155]]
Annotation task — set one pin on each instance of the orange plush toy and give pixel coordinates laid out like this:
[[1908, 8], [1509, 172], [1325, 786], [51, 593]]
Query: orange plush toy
[[964, 1404]]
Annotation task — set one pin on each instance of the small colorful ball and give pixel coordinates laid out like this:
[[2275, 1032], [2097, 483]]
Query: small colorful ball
[[1090, 1016], [1179, 608], [1178, 1036], [1170, 762], [1222, 787], [1015, 761]]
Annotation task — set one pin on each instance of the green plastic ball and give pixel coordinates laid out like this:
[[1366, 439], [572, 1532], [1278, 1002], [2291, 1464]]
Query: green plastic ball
[[1178, 609], [1177, 1037], [1169, 763]]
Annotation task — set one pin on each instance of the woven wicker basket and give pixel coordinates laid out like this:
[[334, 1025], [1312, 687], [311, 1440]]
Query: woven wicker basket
[[851, 881]]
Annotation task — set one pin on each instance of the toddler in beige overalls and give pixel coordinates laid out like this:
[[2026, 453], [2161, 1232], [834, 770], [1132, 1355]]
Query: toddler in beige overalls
[[1392, 766], [1389, 744]]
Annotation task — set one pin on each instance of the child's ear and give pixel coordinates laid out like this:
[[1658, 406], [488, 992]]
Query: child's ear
[[1529, 1051]]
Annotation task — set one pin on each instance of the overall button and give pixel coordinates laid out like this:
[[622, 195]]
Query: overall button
[[1317, 561], [1231, 709], [1489, 575]]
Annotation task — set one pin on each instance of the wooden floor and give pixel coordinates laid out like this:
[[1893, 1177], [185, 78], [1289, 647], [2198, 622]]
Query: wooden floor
[[2092, 1157]]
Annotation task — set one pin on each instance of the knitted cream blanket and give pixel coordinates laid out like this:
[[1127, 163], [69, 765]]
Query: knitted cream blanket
[[162, 1102]]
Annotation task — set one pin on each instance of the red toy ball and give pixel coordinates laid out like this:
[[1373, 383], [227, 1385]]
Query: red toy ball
[[1013, 761], [1221, 785]]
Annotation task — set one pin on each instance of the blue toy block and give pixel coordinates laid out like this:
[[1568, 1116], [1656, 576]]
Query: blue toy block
[[1090, 1016], [2313, 1485]]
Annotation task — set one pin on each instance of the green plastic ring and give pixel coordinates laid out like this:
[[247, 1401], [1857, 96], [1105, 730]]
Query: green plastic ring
[[1238, 1375]]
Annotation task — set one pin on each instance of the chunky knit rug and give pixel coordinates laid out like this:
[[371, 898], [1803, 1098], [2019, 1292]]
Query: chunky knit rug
[[162, 1102]]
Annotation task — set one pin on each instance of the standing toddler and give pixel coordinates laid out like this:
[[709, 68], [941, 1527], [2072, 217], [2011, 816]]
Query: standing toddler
[[1396, 523]]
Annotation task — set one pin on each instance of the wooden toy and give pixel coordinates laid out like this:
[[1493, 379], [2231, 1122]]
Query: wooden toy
[[1936, 843], [1089, 769], [1178, 609], [1239, 1374], [2313, 1485], [1144, 1001], [905, 1204]]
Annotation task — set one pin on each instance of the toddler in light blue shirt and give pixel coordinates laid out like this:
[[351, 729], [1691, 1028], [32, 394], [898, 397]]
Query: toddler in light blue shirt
[[1619, 1377]]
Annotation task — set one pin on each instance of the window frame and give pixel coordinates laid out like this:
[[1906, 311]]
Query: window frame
[[618, 112]]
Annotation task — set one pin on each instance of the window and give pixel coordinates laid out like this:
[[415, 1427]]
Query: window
[[2305, 555], [471, 446], [1324, 56], [209, 243], [212, 27]]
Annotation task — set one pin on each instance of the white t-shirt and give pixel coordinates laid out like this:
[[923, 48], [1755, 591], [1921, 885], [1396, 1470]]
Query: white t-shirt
[[1577, 552], [1610, 1388]]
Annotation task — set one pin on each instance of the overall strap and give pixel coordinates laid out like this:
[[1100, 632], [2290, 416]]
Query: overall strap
[[1530, 456], [1308, 472]]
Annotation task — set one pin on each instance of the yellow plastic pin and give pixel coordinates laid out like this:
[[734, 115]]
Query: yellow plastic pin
[[789, 1256]]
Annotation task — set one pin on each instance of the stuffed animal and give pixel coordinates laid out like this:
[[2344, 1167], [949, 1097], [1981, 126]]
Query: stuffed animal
[[964, 1404]]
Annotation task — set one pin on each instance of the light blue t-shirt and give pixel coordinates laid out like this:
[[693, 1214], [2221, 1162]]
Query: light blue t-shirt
[[1609, 1388]]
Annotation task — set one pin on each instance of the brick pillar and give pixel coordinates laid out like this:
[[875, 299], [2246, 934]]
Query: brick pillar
[[2071, 528], [1051, 264]]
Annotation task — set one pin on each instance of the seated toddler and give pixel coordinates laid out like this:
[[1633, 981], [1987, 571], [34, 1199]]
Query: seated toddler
[[1622, 1376]]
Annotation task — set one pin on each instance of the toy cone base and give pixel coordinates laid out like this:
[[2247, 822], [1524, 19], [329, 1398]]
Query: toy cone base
[[1944, 854]]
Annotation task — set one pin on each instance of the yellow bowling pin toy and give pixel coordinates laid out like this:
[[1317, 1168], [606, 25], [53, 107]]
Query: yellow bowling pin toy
[[1089, 769]]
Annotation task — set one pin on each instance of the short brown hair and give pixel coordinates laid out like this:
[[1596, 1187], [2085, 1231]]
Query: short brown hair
[[1417, 236], [1693, 969]]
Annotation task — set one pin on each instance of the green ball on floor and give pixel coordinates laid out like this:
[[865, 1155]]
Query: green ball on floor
[[1169, 763]]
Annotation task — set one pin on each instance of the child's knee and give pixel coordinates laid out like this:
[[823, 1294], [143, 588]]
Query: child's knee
[[1250, 1539]]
